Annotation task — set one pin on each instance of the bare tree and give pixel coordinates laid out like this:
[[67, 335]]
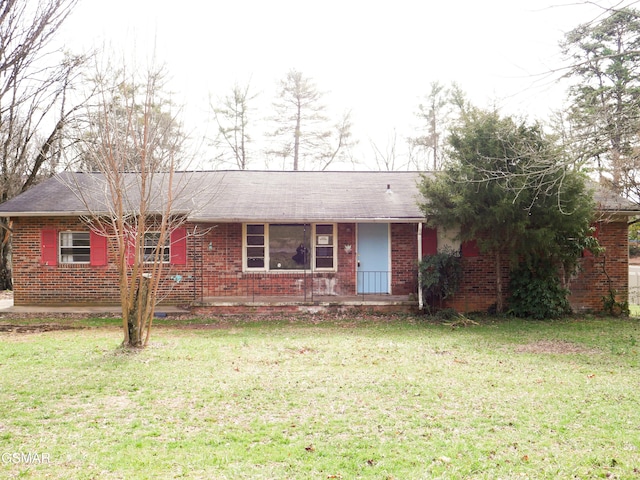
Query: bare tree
[[232, 119], [137, 205], [338, 144], [127, 108], [387, 159], [433, 117], [443, 109], [302, 131], [35, 81]]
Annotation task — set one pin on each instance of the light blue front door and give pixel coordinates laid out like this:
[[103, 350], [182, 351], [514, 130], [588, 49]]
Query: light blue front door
[[373, 258]]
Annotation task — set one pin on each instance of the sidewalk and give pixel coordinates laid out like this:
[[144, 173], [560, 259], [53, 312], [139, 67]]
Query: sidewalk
[[6, 306]]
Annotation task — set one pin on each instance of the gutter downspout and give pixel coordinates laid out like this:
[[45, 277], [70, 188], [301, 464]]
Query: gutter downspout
[[420, 299]]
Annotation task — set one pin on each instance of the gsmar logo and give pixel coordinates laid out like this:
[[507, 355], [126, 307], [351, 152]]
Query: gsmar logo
[[31, 458]]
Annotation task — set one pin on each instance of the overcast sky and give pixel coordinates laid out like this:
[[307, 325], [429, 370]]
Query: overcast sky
[[377, 58]]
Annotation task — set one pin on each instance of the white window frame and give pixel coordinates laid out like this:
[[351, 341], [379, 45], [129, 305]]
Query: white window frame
[[313, 244], [265, 246], [150, 257], [319, 243], [63, 237]]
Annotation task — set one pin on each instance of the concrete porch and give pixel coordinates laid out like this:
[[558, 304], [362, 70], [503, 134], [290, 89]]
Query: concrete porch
[[227, 305], [318, 304]]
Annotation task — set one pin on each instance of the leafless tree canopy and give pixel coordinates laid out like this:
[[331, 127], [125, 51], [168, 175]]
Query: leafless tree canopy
[[302, 133], [232, 116], [121, 111], [132, 140], [35, 81]]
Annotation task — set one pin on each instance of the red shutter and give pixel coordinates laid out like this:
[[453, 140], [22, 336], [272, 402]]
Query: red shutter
[[470, 249], [49, 247], [429, 241], [130, 246], [98, 252], [178, 247]]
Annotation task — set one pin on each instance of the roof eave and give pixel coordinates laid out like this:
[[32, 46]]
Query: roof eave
[[305, 220], [628, 213], [43, 214], [76, 214]]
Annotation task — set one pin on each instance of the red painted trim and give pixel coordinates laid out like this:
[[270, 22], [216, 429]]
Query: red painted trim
[[429, 241], [49, 247], [179, 246], [98, 255], [130, 245]]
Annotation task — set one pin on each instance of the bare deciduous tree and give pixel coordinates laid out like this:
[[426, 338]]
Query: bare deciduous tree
[[127, 109], [136, 198], [232, 120], [302, 132], [338, 144], [34, 84], [433, 115], [387, 159]]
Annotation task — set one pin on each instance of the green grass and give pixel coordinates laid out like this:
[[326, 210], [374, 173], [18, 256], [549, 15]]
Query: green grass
[[380, 399]]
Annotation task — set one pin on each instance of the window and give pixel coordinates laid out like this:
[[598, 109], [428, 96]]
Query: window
[[174, 250], [255, 246], [75, 247], [72, 247], [289, 246], [324, 246], [151, 240], [92, 248]]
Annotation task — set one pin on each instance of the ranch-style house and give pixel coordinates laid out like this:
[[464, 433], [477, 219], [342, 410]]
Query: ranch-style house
[[273, 240]]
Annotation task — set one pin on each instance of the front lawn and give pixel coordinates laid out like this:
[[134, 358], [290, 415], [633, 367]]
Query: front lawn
[[376, 398]]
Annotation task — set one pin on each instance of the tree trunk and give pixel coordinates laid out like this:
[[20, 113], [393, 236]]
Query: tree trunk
[[499, 302], [132, 326], [5, 274], [138, 314], [296, 141], [5, 253]]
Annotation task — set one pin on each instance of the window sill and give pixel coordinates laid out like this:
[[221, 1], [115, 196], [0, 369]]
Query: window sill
[[289, 272]]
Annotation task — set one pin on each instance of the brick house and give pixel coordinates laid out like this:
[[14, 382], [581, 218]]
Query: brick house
[[270, 240]]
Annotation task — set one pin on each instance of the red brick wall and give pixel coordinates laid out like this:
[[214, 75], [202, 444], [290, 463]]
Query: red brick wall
[[347, 261], [222, 274], [404, 258], [478, 287], [77, 284], [608, 270], [214, 269], [588, 287]]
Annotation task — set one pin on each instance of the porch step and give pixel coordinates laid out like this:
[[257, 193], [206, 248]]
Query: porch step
[[267, 305]]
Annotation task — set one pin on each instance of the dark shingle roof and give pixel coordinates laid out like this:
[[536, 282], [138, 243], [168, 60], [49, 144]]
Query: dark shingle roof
[[243, 196], [314, 196], [249, 195]]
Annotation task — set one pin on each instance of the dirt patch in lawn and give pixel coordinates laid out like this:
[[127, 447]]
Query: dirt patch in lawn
[[35, 328], [554, 346]]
